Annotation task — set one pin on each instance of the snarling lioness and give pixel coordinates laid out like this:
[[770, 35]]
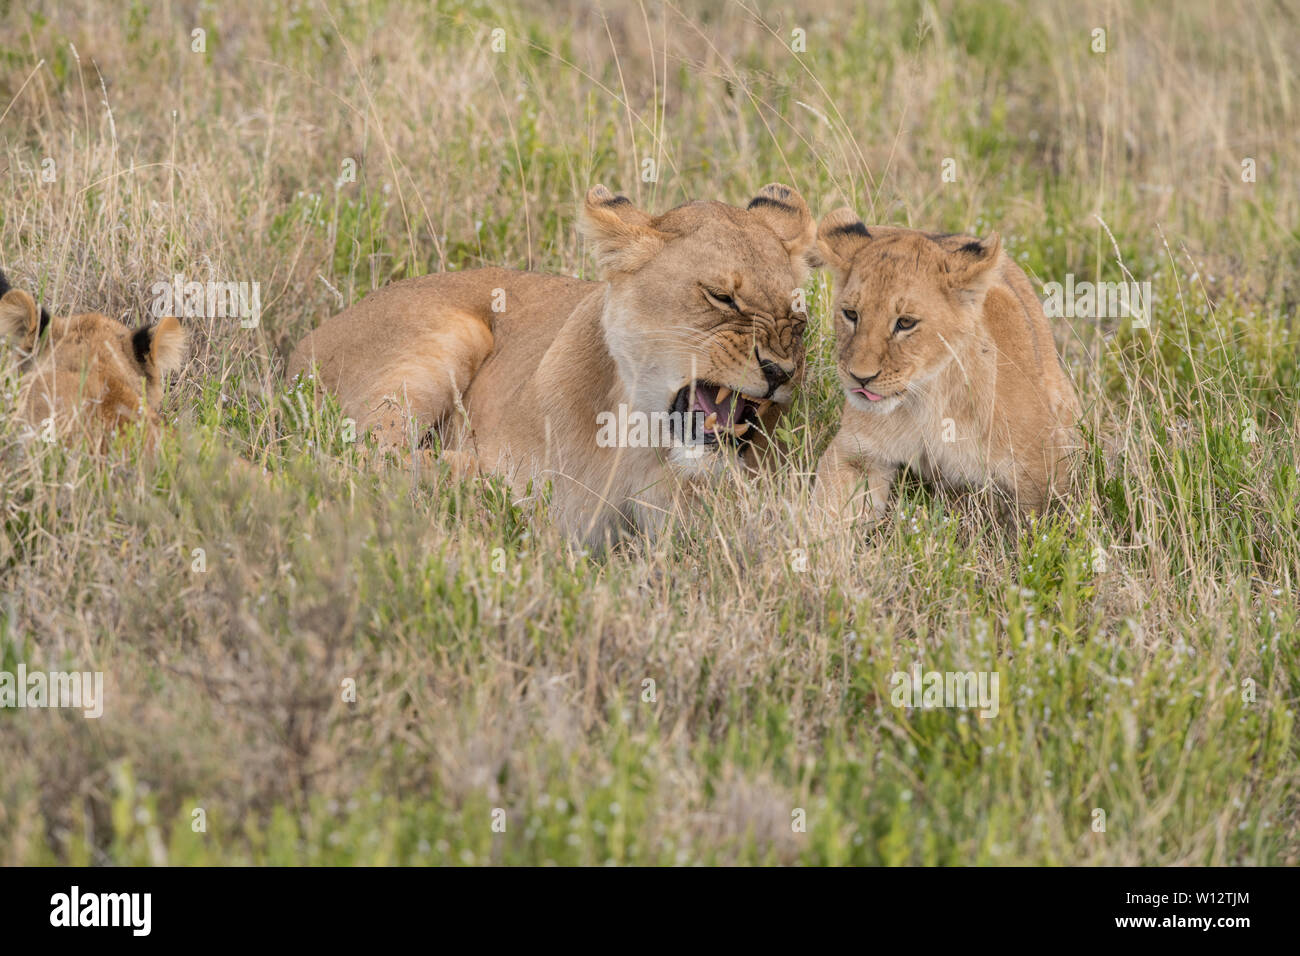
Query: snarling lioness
[[697, 319], [87, 375], [948, 366]]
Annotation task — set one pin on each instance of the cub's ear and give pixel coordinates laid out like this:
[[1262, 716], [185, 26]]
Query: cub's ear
[[159, 348], [783, 210], [19, 318], [971, 267], [621, 234], [839, 237]]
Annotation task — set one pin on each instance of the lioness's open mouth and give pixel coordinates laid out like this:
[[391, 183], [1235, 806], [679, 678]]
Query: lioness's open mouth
[[713, 413]]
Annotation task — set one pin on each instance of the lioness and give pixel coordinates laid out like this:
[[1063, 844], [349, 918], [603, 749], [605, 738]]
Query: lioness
[[87, 373], [693, 325], [948, 364]]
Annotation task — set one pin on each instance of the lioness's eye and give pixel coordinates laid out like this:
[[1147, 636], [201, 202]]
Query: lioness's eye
[[720, 297], [851, 317], [905, 322]]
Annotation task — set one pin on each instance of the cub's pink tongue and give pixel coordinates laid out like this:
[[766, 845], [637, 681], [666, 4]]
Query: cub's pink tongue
[[871, 396]]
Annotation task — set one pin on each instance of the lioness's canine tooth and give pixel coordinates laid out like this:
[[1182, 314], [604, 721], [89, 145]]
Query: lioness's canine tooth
[[711, 421], [723, 394], [741, 429], [764, 405]]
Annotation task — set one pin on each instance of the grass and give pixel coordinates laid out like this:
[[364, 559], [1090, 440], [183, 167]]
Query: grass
[[1144, 637]]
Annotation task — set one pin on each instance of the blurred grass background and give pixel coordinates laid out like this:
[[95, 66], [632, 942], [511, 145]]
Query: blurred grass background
[[495, 666]]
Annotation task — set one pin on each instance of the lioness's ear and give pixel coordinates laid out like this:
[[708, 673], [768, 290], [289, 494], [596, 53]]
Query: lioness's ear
[[839, 237], [783, 210], [19, 318], [160, 348], [970, 267], [621, 233]]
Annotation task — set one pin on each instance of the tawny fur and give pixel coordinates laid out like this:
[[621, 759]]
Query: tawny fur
[[82, 375], [973, 395], [517, 390]]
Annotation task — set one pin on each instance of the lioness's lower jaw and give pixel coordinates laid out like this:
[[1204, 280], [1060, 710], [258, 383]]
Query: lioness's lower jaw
[[711, 415]]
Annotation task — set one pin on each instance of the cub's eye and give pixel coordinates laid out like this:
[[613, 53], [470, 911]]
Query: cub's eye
[[905, 322], [851, 317], [721, 298]]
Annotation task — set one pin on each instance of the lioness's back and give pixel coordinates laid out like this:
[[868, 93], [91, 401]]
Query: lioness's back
[[421, 341], [382, 320]]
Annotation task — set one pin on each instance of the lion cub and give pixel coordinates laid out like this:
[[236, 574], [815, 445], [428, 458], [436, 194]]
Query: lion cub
[[88, 373], [948, 364]]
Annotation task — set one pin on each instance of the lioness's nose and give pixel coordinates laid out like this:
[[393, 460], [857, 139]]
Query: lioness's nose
[[774, 374]]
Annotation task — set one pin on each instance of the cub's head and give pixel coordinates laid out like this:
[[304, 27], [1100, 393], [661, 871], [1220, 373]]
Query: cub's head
[[704, 313], [906, 304], [88, 371]]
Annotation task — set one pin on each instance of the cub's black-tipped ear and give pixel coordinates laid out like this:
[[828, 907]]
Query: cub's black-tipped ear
[[783, 210], [20, 319], [839, 237], [620, 232], [159, 348], [971, 266]]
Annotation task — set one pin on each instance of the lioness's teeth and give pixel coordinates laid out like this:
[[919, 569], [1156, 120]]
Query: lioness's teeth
[[723, 394], [741, 429], [711, 422], [763, 406]]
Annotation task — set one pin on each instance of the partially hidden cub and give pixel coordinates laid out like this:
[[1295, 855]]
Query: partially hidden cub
[[948, 366], [87, 374]]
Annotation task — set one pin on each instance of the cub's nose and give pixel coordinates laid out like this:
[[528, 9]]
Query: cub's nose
[[864, 381], [775, 375]]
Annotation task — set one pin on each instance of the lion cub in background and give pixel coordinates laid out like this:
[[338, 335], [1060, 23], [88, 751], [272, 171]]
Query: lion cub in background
[[949, 366], [87, 374]]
